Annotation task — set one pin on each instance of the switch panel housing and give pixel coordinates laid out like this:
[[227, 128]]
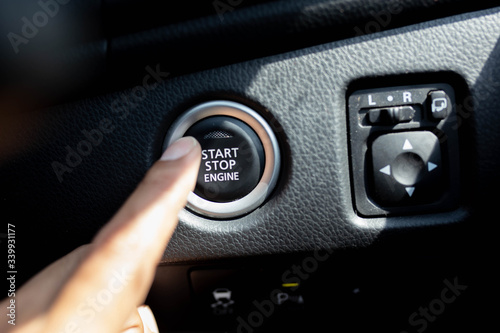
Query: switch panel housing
[[404, 149]]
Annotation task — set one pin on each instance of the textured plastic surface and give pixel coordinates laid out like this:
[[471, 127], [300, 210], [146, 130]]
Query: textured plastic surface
[[302, 94], [249, 29]]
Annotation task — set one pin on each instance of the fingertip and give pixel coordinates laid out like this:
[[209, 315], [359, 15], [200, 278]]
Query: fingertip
[[179, 149]]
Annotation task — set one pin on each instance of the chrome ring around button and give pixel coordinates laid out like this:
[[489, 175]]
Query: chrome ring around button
[[271, 150]]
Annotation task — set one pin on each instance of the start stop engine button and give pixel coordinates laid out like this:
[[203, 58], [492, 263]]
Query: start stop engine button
[[232, 158], [240, 158]]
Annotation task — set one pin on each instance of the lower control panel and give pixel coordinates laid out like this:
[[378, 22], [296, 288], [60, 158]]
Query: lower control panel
[[404, 149]]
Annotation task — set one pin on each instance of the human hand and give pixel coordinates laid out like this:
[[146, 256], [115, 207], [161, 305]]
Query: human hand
[[98, 287]]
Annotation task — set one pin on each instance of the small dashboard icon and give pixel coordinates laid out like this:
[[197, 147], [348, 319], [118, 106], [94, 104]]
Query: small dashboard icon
[[439, 104]]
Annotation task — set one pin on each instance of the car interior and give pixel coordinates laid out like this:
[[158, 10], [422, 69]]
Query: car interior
[[350, 154]]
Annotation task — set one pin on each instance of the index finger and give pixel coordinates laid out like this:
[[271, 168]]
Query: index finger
[[117, 274]]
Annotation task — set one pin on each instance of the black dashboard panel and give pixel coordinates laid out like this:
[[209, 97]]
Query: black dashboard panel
[[240, 30], [302, 94], [66, 168]]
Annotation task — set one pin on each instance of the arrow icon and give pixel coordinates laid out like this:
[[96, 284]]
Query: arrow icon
[[407, 145], [431, 166], [386, 170], [410, 190]]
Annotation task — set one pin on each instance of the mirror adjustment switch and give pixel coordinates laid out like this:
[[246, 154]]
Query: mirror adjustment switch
[[404, 145], [407, 168]]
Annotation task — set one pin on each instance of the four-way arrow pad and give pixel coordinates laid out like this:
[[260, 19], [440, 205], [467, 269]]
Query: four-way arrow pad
[[407, 169]]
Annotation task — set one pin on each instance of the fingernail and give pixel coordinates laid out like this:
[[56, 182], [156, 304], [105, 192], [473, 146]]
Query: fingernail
[[179, 148], [148, 318]]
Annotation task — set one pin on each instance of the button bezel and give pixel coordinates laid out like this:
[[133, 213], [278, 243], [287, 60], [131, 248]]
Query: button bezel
[[271, 152]]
